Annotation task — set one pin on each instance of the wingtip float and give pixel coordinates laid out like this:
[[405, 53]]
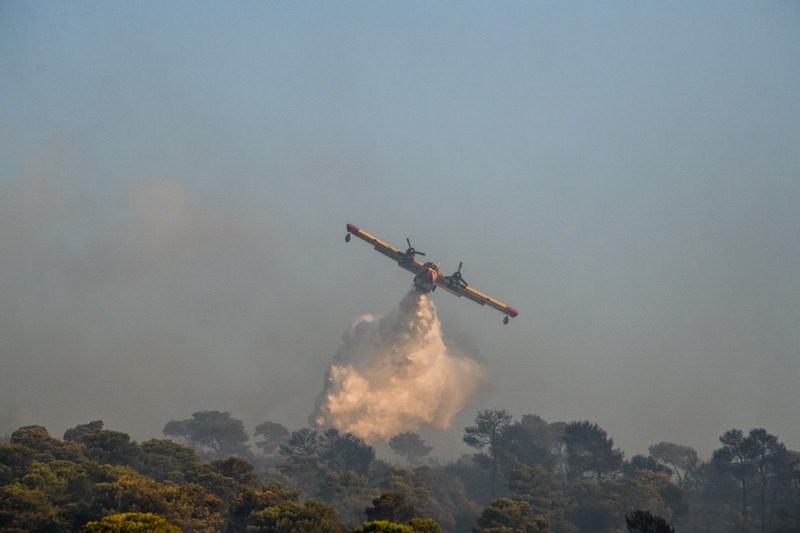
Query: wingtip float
[[427, 275]]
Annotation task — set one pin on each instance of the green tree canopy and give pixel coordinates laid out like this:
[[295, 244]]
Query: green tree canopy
[[415, 525], [131, 523], [291, 516], [213, 432], [486, 436], [348, 492], [646, 522], [193, 508], [384, 526], [273, 436], [301, 442], [590, 452], [391, 505], [39, 440], [682, 461], [542, 491], [301, 453], [236, 468], [75, 434], [643, 462], [433, 493], [111, 447], [532, 441], [345, 452], [410, 446], [758, 459], [28, 509], [252, 499], [168, 461], [505, 515], [600, 505]]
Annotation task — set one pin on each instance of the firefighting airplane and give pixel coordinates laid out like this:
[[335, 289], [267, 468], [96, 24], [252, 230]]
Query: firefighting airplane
[[427, 276]]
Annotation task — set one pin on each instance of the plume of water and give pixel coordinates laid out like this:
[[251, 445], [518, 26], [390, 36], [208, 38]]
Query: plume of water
[[395, 373]]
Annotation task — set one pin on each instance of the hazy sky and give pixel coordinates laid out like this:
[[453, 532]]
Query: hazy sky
[[175, 179]]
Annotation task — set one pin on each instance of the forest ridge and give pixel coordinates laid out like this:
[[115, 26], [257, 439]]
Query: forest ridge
[[525, 475]]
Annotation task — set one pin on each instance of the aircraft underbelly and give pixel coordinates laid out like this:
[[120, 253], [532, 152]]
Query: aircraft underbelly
[[425, 281]]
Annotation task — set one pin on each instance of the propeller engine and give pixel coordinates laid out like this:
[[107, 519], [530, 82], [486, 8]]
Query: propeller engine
[[411, 251], [458, 277]]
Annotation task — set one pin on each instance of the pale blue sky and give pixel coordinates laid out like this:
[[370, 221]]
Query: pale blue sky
[[175, 179]]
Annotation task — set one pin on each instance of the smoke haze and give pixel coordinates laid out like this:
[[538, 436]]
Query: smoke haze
[[626, 174], [395, 373]]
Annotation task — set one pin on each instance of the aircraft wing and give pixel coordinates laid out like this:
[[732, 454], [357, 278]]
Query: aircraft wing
[[409, 263], [453, 286]]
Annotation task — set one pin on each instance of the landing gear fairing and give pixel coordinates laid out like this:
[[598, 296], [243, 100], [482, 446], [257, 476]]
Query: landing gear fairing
[[427, 275]]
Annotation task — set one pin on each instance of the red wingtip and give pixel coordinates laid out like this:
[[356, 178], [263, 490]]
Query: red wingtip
[[511, 311], [351, 228]]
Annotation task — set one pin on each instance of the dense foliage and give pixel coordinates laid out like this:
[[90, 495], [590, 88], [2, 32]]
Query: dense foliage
[[527, 475]]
